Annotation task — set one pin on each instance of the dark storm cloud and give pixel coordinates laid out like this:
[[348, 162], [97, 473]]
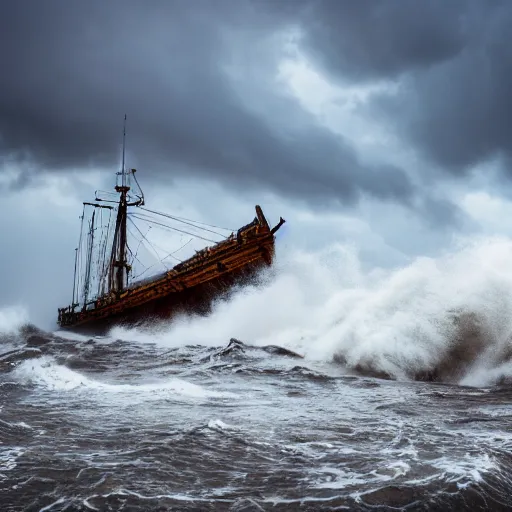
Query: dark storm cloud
[[453, 60], [459, 113], [381, 38], [70, 70]]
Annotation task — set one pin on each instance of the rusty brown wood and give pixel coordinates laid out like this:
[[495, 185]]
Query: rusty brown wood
[[212, 269]]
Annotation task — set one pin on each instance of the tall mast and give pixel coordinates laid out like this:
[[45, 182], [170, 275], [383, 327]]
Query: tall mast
[[89, 260], [119, 263], [123, 175], [119, 267], [76, 279]]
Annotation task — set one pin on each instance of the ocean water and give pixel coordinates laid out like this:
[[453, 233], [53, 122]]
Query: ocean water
[[394, 393]]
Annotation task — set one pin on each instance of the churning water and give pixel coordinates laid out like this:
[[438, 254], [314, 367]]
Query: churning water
[[403, 399]]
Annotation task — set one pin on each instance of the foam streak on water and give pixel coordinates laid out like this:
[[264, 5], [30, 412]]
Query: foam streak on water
[[399, 322], [373, 417]]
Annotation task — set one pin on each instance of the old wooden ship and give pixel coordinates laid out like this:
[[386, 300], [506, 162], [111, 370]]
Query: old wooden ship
[[104, 291]]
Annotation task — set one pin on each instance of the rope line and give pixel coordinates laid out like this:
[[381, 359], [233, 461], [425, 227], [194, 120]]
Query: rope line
[[175, 229], [189, 221], [150, 244]]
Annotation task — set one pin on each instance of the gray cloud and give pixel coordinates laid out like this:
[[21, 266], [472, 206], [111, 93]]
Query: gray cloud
[[196, 80], [452, 59], [458, 113], [72, 69], [378, 38]]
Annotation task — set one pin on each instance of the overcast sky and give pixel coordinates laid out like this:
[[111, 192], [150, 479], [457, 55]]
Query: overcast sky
[[381, 124]]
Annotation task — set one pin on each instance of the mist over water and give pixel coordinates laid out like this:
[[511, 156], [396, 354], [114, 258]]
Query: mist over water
[[446, 319], [377, 415], [11, 319]]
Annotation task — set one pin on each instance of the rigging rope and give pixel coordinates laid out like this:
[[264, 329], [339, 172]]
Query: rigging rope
[[140, 243], [170, 254], [83, 284], [174, 252], [190, 222], [79, 281], [175, 229], [165, 250], [104, 269], [157, 256], [152, 218], [142, 273], [131, 252]]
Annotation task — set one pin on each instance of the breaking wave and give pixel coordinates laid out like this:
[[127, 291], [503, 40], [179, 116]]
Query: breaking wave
[[12, 319], [439, 319], [46, 373]]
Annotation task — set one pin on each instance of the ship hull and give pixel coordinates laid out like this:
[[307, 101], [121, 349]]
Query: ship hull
[[191, 287], [197, 300]]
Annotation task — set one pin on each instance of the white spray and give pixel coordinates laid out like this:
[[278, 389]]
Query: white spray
[[400, 322]]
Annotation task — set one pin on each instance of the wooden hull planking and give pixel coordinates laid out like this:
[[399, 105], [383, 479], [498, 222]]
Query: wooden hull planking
[[189, 287]]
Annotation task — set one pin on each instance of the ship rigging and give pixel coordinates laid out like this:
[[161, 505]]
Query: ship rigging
[[111, 282]]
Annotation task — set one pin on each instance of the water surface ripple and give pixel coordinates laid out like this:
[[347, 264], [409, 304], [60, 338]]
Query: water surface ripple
[[105, 424]]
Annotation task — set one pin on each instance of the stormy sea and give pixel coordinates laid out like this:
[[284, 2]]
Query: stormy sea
[[326, 386]]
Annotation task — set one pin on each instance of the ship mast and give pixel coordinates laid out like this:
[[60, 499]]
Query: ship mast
[[120, 265], [87, 281]]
